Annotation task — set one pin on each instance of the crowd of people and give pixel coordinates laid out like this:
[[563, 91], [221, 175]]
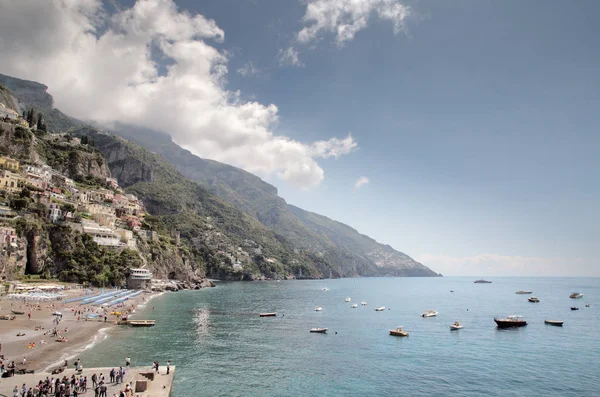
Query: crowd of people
[[76, 384]]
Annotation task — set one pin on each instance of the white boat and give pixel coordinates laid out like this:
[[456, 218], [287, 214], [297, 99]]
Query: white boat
[[348, 299], [456, 326], [318, 308], [354, 306], [576, 295], [318, 330], [363, 303], [325, 289], [429, 313], [521, 292], [380, 309]]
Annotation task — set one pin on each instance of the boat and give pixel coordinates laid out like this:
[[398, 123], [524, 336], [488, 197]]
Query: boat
[[354, 306], [142, 323], [318, 330], [587, 305], [574, 308], [576, 295], [398, 332], [380, 309], [325, 289], [482, 282], [7, 317], [456, 326], [268, 314], [59, 314], [556, 323], [363, 303], [429, 313], [347, 299], [521, 292], [17, 312], [533, 299], [318, 308], [510, 321]]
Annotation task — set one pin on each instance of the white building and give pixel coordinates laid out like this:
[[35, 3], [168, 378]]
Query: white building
[[53, 212]]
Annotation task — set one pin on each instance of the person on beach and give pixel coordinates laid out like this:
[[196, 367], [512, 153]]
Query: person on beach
[[168, 366], [24, 361], [94, 380], [112, 375], [16, 391]]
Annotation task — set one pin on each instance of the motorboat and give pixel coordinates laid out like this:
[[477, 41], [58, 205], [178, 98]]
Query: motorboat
[[142, 323], [363, 303], [574, 308], [318, 330], [576, 295], [59, 314], [380, 309], [533, 299], [556, 323], [456, 326], [354, 306], [587, 305], [429, 313], [521, 292], [18, 312], [347, 299], [398, 332], [482, 281], [268, 314], [510, 321], [325, 289], [318, 308]]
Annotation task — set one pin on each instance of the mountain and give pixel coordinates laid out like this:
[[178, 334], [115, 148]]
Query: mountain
[[349, 252], [332, 248]]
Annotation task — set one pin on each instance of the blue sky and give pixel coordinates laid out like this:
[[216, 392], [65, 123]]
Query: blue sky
[[478, 127], [475, 122]]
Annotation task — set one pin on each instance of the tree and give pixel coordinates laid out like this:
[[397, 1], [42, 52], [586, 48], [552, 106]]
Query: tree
[[85, 140], [40, 124], [68, 208], [30, 117]]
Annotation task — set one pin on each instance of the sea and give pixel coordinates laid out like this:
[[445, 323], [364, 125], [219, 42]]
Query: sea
[[221, 347]]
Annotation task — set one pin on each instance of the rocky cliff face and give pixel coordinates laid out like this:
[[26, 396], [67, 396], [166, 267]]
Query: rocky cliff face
[[18, 142]]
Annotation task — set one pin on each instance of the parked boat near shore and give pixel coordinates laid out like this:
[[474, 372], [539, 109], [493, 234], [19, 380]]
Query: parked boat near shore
[[17, 312], [268, 314], [429, 313], [398, 332], [142, 323], [556, 323], [510, 321]]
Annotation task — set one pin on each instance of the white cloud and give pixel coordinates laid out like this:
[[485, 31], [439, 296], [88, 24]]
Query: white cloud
[[502, 265], [363, 180], [248, 69], [105, 68], [345, 18], [289, 56]]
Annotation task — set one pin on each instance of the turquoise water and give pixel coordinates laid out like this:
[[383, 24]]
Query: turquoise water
[[222, 348]]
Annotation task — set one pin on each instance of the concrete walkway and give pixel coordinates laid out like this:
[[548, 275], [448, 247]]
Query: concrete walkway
[[159, 387]]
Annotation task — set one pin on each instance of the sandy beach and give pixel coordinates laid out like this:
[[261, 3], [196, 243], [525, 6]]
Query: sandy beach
[[48, 351]]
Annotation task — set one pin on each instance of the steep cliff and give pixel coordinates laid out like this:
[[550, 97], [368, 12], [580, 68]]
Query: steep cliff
[[231, 243], [347, 252]]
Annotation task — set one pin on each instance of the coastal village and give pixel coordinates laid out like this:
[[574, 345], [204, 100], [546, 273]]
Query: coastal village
[[101, 209]]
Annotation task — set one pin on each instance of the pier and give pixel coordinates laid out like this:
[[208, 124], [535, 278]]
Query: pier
[[144, 380]]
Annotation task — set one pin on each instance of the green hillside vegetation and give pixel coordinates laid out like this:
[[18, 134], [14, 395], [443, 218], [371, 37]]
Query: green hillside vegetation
[[207, 223]]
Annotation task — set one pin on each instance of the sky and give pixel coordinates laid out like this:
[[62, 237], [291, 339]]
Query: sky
[[463, 133]]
